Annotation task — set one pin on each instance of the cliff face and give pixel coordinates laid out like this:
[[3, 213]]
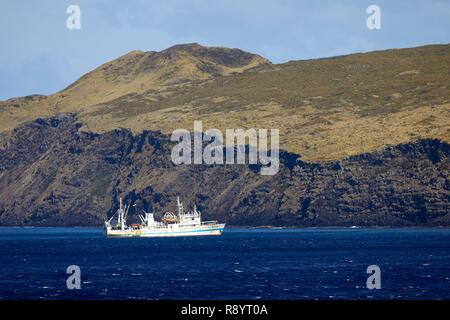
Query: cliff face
[[53, 174]]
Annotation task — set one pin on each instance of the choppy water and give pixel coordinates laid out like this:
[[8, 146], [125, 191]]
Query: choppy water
[[240, 264]]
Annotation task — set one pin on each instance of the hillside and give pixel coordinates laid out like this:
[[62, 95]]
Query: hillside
[[364, 139], [326, 109], [53, 174]]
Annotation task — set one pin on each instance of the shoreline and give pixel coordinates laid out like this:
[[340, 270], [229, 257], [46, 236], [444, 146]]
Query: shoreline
[[249, 227]]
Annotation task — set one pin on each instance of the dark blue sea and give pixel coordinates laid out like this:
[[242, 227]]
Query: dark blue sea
[[240, 264]]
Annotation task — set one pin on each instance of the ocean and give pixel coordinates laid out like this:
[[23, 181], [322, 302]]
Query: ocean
[[241, 264]]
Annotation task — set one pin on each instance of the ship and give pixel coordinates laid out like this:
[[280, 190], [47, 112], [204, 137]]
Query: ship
[[182, 224]]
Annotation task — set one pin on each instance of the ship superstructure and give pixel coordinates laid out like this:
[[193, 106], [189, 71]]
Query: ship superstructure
[[171, 225]]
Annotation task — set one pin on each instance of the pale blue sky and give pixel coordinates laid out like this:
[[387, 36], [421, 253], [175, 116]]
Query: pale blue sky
[[40, 55]]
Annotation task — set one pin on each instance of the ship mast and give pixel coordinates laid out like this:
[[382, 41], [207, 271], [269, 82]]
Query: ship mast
[[121, 215], [180, 206]]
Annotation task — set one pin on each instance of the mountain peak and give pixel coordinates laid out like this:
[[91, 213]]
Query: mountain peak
[[216, 60], [139, 71], [228, 57], [184, 47]]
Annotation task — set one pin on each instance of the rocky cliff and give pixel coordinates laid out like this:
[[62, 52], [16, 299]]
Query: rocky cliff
[[51, 173]]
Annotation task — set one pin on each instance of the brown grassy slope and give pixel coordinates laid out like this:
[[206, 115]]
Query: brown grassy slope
[[325, 109], [133, 73]]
